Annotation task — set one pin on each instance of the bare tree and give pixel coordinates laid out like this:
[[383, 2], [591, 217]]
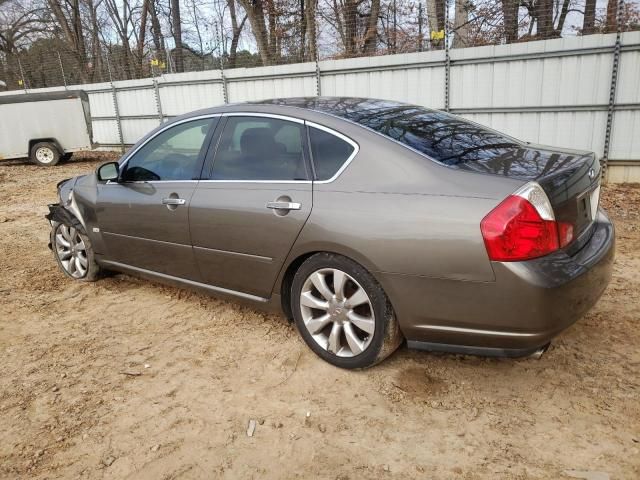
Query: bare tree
[[176, 24], [68, 18]]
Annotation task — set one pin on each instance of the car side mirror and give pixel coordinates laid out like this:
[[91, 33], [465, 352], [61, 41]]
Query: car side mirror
[[108, 171]]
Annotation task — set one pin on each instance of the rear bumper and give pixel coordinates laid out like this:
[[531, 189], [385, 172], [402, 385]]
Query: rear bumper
[[524, 308]]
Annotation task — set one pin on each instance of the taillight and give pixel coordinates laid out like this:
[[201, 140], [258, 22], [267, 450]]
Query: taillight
[[523, 227]]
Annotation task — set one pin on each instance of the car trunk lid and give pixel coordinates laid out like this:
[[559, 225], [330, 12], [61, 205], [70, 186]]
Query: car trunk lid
[[571, 179]]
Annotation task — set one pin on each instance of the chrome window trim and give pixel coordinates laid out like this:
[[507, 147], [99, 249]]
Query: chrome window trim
[[264, 115], [128, 156], [353, 143]]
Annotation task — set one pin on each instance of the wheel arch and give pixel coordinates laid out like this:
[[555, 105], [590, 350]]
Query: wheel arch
[[50, 140], [298, 257]]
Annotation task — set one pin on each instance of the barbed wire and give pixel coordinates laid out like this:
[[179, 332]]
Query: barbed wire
[[333, 31]]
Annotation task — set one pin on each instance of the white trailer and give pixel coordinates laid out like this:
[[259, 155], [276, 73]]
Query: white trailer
[[46, 127]]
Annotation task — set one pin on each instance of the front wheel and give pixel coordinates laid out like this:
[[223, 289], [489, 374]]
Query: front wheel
[[74, 253], [342, 312]]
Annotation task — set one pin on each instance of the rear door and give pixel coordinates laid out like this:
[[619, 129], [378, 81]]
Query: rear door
[[144, 217], [247, 212]]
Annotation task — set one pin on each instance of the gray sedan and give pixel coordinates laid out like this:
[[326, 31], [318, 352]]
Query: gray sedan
[[365, 221]]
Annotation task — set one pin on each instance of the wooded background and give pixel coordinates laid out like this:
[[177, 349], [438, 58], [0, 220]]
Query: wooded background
[[46, 43]]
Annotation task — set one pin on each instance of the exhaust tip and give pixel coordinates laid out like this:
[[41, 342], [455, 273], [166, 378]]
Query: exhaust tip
[[537, 355]]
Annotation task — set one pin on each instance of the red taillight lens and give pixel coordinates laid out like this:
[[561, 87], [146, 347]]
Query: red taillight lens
[[514, 230]]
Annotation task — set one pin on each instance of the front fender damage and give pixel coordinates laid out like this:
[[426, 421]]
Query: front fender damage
[[59, 214]]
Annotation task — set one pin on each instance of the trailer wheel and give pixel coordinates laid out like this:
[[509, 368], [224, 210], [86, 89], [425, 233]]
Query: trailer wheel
[[45, 154]]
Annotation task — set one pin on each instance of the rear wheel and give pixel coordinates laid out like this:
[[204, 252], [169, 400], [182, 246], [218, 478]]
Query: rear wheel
[[45, 154], [342, 312], [74, 253]]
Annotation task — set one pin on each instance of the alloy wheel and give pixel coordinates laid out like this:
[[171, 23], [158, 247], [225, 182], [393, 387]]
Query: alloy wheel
[[71, 251], [337, 312]]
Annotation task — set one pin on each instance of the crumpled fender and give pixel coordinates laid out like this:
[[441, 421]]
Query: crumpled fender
[[59, 214]]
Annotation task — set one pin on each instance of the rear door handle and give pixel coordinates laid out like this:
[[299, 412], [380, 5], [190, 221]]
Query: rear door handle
[[284, 205], [173, 201]]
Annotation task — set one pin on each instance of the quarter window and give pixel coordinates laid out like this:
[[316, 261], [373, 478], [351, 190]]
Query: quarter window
[[171, 155], [329, 153], [256, 148]]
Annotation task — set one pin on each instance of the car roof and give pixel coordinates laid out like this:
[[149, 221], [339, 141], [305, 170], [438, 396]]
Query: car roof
[[343, 107]]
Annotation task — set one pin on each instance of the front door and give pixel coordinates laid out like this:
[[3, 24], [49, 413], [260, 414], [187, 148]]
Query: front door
[[144, 217], [246, 216]]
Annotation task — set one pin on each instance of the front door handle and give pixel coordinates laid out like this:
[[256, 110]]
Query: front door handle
[[173, 201], [284, 205]]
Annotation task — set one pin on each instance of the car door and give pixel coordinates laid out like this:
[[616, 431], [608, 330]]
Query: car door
[[144, 217], [246, 215]]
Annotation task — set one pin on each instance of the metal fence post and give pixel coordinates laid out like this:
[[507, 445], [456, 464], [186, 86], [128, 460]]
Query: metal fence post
[[64, 80], [612, 91], [225, 93], [447, 58], [317, 58], [156, 91], [114, 97]]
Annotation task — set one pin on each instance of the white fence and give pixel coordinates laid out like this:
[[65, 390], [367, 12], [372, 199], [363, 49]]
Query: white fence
[[554, 92]]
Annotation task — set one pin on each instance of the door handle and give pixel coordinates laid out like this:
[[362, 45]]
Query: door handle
[[283, 205], [173, 201]]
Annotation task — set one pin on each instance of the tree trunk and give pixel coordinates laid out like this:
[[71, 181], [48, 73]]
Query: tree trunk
[[177, 35], [255, 14], [236, 30], [461, 25], [563, 17], [510, 14], [350, 17], [371, 34], [436, 21], [545, 19], [612, 16], [156, 32], [589, 22], [142, 34], [310, 21]]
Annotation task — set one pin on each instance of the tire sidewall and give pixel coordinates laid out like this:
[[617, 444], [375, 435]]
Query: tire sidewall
[[383, 313]]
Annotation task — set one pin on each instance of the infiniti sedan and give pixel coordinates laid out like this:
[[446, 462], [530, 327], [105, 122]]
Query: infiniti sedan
[[367, 222]]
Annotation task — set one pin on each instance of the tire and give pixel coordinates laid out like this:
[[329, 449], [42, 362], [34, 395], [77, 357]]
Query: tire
[[350, 330], [45, 154], [78, 264]]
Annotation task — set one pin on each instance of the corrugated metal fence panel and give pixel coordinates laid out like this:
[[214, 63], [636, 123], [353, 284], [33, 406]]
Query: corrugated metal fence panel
[[246, 84], [625, 144], [105, 132], [136, 97], [414, 78], [579, 130], [508, 75], [514, 88], [629, 76], [134, 129], [184, 92]]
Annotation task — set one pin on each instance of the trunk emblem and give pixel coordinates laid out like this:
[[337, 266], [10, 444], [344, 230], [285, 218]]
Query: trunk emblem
[[592, 173]]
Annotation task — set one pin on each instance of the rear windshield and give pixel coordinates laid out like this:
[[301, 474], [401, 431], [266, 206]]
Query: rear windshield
[[443, 137]]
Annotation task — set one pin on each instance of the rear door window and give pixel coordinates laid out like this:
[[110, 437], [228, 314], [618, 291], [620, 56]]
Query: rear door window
[[260, 148], [329, 153]]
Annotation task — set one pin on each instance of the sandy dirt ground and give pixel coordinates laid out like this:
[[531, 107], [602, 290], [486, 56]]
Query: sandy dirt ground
[[128, 379]]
